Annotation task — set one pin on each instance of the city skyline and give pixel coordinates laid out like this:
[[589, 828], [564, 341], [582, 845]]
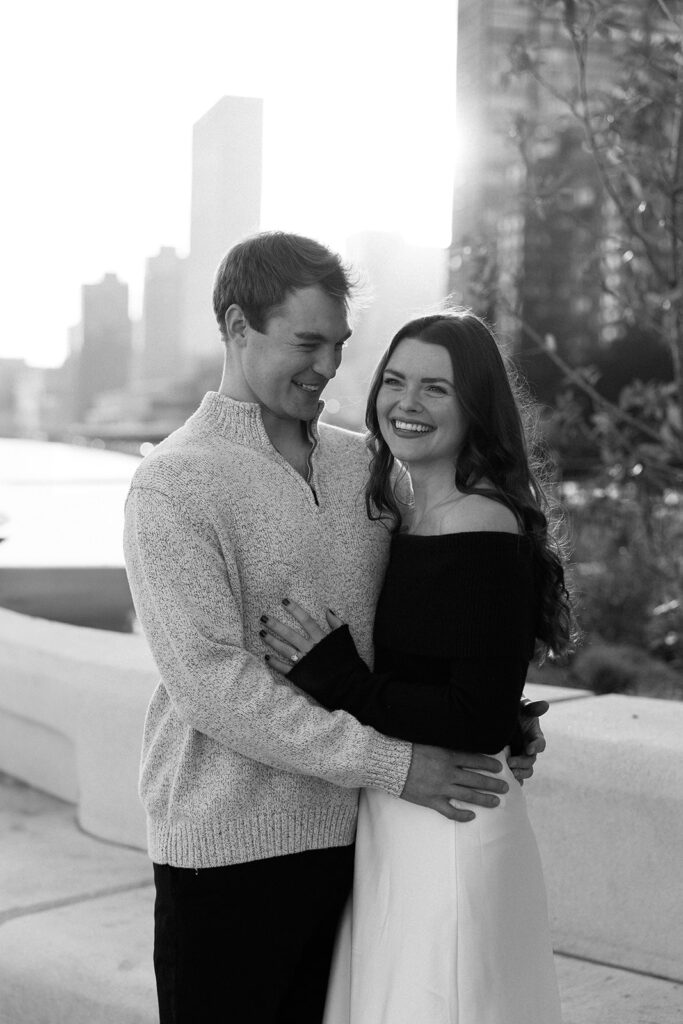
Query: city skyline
[[358, 136]]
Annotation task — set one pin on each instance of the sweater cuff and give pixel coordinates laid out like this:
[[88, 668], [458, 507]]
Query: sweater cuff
[[389, 764]]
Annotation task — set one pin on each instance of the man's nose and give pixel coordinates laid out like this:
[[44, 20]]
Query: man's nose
[[326, 364]]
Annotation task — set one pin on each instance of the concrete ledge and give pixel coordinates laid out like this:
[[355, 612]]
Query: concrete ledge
[[606, 800], [607, 807], [72, 708]]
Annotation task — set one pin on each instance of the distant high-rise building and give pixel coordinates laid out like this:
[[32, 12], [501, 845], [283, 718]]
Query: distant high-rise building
[[401, 281], [12, 373], [162, 315], [105, 352], [226, 205], [548, 267]]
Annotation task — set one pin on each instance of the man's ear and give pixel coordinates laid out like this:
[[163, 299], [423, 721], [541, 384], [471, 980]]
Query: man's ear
[[236, 325]]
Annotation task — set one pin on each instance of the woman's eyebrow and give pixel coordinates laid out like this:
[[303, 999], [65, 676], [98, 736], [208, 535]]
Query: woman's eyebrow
[[423, 380]]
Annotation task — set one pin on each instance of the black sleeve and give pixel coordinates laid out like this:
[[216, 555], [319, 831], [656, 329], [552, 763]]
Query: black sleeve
[[475, 708]]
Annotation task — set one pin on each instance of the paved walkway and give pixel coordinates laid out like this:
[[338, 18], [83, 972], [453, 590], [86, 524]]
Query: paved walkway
[[76, 932]]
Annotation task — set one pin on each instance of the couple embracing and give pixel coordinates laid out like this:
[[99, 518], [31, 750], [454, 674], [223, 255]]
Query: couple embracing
[[342, 628]]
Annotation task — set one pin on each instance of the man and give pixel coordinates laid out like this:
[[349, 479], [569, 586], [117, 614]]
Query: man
[[250, 788]]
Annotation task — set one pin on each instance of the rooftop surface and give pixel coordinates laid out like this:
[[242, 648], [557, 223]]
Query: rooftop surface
[[76, 932]]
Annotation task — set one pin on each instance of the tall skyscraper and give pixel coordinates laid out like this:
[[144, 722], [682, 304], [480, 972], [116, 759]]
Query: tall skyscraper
[[548, 267], [226, 205], [105, 352], [163, 315]]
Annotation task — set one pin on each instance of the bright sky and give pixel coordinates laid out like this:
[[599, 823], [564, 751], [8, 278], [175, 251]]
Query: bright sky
[[97, 103]]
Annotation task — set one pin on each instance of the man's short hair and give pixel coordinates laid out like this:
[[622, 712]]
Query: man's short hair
[[258, 274]]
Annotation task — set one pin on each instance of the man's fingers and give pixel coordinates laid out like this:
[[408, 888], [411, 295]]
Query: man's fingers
[[521, 761], [448, 810], [472, 780], [439, 778], [473, 796], [535, 708], [475, 762], [534, 740]]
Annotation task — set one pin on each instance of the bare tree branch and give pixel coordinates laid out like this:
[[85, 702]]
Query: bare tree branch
[[624, 213], [577, 378], [667, 14]]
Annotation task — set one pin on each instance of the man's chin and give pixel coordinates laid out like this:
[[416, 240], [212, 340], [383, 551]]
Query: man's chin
[[308, 399]]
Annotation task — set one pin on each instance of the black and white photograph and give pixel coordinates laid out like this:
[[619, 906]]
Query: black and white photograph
[[341, 512]]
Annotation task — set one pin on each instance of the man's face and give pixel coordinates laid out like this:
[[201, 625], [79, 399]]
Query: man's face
[[286, 368]]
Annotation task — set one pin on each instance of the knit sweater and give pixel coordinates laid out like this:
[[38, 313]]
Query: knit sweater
[[237, 763]]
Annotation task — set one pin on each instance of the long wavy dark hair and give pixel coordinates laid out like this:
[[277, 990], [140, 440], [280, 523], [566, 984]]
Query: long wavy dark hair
[[500, 457]]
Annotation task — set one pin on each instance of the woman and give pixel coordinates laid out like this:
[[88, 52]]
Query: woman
[[449, 922]]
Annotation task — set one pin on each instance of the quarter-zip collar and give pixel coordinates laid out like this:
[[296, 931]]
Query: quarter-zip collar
[[243, 422]]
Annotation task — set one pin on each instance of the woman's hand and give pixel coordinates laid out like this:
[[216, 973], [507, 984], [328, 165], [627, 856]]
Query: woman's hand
[[287, 645]]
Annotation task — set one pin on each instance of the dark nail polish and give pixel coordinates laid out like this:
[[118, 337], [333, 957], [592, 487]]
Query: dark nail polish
[[262, 632], [264, 618], [285, 601], [266, 657], [333, 613]]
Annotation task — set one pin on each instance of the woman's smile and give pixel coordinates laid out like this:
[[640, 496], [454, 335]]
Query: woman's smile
[[410, 428]]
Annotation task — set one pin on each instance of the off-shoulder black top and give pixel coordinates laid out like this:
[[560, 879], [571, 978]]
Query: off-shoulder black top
[[454, 634]]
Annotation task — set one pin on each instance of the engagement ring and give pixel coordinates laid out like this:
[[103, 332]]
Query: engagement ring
[[295, 657]]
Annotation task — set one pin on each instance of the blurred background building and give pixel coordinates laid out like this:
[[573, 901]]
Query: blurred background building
[[104, 359], [548, 269], [163, 316], [227, 156]]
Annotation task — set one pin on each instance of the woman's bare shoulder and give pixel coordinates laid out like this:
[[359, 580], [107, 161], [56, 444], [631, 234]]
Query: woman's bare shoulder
[[475, 513]]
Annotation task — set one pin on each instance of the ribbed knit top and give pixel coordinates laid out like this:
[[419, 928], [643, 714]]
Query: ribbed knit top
[[237, 764], [454, 633]]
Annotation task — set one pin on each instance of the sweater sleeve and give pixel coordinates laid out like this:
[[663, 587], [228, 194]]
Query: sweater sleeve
[[186, 589], [474, 707]]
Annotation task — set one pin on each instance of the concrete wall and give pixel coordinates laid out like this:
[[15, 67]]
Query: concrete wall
[[72, 708], [607, 808], [606, 800]]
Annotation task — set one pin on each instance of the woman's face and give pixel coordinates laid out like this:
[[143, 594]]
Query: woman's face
[[419, 414]]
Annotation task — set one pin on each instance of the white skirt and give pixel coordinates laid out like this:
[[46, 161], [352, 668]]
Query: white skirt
[[448, 921]]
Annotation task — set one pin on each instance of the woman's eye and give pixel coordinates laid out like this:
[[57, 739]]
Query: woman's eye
[[437, 388], [391, 381]]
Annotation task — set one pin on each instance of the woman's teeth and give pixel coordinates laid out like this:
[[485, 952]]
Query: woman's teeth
[[418, 428]]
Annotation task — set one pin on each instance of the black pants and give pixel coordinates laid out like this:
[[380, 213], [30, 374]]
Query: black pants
[[250, 943]]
